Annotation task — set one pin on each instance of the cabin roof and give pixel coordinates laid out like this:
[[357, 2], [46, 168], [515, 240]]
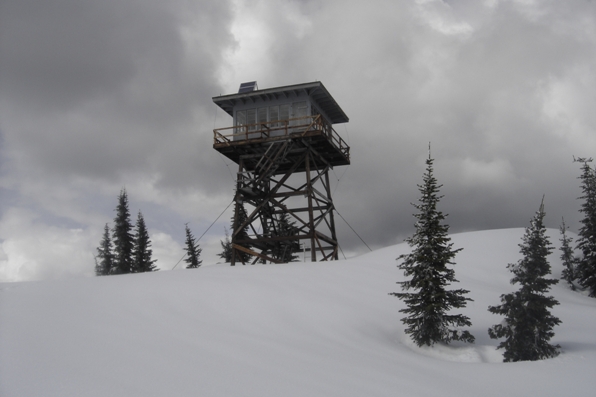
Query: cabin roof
[[315, 90]]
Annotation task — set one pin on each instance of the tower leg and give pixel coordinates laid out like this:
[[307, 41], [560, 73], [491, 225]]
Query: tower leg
[[311, 222], [263, 198], [237, 208], [335, 255]]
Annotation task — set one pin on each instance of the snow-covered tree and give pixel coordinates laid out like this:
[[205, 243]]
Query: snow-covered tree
[[586, 242], [193, 252], [104, 260], [241, 235], [528, 324], [285, 250], [122, 237], [567, 257], [429, 319], [142, 253]]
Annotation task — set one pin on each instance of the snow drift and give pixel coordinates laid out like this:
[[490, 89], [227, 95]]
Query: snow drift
[[299, 329]]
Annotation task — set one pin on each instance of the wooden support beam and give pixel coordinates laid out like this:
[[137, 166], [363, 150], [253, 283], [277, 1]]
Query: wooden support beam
[[290, 194], [302, 209], [325, 238], [313, 254], [270, 192], [254, 253]]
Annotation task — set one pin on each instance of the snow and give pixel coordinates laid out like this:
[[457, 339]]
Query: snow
[[299, 329]]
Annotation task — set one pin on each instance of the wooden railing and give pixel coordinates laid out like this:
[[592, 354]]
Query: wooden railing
[[295, 127]]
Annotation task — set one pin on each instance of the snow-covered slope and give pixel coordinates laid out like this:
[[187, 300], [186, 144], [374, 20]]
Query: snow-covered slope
[[300, 329]]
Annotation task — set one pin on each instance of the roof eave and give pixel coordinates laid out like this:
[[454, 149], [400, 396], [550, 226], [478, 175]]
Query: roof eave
[[333, 110]]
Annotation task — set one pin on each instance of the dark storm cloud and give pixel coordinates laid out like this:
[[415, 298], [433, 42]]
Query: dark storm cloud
[[99, 87], [476, 80], [58, 53], [97, 95]]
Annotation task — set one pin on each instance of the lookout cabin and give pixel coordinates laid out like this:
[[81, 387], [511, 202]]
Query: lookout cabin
[[290, 112]]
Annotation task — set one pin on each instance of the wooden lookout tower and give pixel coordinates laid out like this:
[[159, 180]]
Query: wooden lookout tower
[[284, 144]]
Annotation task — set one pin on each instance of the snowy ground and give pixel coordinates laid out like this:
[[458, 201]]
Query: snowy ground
[[300, 329]]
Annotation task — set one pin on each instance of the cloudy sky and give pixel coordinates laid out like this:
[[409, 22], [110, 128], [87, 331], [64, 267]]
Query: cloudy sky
[[100, 95]]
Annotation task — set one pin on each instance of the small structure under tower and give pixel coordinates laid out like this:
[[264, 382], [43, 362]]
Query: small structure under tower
[[284, 144]]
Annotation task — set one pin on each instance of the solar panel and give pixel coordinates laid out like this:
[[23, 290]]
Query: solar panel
[[248, 87]]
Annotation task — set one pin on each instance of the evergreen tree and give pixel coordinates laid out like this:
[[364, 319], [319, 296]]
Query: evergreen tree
[[193, 252], [142, 252], [586, 242], [226, 246], [122, 237], [527, 327], [285, 250], [428, 321], [567, 257], [242, 235], [104, 261]]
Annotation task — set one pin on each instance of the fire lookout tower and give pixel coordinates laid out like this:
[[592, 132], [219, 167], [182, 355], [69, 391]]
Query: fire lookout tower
[[284, 144]]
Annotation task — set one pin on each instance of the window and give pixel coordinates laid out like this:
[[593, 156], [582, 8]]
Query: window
[[284, 112], [274, 116], [240, 120], [262, 117], [300, 109], [256, 119], [251, 119]]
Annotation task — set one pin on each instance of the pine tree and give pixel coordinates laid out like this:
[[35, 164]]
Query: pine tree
[[122, 237], [104, 261], [193, 252], [226, 246], [527, 327], [285, 250], [567, 257], [241, 236], [142, 252], [428, 321], [586, 242]]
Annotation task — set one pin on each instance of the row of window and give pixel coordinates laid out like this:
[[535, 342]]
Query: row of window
[[270, 114]]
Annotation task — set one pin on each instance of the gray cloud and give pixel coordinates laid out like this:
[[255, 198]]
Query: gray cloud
[[110, 84], [100, 95]]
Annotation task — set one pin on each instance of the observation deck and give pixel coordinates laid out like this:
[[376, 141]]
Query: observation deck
[[252, 141]]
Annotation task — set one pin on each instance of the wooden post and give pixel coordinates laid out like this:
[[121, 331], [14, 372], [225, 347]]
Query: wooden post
[[331, 219], [311, 223], [237, 204]]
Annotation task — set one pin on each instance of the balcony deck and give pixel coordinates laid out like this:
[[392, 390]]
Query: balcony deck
[[252, 141]]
